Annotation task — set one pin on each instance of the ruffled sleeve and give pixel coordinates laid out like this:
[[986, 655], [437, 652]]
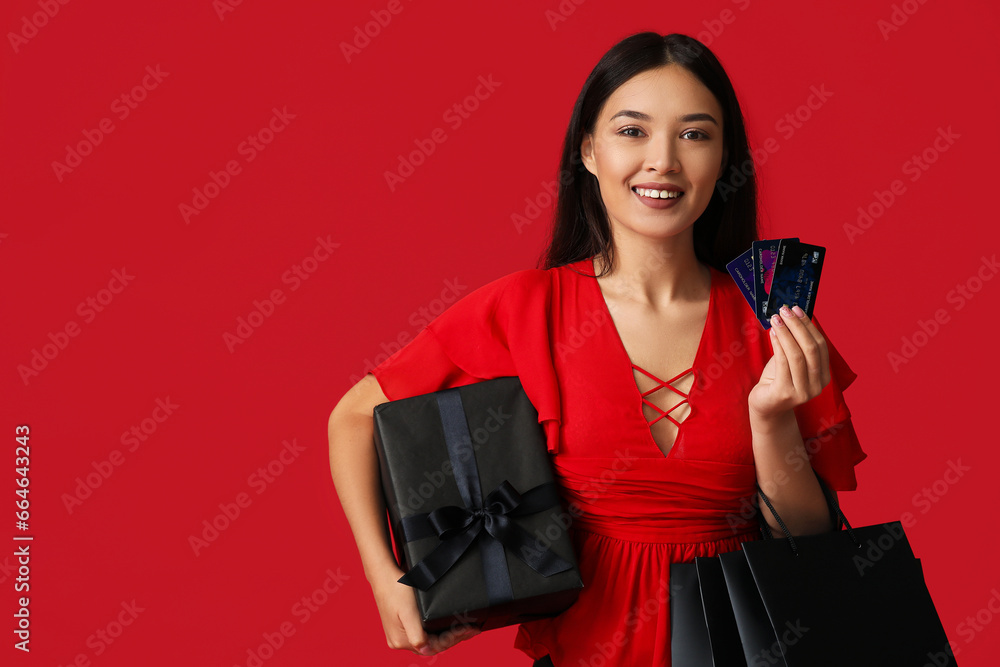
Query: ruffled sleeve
[[497, 330], [827, 431]]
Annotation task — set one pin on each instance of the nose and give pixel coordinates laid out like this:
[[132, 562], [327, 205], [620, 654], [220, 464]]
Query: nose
[[662, 155]]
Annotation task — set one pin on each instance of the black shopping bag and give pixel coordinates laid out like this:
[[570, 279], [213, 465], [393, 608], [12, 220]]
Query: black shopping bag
[[702, 621], [848, 597], [690, 644]]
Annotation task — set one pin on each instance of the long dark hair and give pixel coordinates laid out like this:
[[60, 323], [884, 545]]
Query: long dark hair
[[729, 224]]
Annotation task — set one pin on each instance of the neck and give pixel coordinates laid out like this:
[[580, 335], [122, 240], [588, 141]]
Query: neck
[[657, 272]]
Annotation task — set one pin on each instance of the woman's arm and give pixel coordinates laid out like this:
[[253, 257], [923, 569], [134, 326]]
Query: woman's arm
[[355, 468], [797, 372], [791, 487]]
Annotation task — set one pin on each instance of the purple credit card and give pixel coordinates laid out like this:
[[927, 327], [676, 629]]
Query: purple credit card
[[764, 255]]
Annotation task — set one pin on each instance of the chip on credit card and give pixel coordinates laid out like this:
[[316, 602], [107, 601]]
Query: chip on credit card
[[778, 272]]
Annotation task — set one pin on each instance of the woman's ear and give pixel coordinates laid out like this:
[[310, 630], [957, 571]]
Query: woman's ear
[[587, 153]]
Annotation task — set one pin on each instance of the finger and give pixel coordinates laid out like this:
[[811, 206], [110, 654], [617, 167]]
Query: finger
[[824, 349], [814, 346], [415, 634], [804, 360], [794, 361], [781, 371], [396, 637]]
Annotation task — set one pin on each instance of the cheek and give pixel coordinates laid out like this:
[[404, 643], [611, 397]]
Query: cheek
[[617, 160], [613, 193], [615, 169], [710, 163], [707, 165]]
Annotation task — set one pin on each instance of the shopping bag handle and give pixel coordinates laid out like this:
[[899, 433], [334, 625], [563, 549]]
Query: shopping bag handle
[[831, 501]]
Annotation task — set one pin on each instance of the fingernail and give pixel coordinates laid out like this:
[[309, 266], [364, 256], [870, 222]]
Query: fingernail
[[776, 321], [798, 311], [426, 650], [785, 312]]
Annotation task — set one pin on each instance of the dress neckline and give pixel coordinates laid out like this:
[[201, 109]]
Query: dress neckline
[[694, 368]]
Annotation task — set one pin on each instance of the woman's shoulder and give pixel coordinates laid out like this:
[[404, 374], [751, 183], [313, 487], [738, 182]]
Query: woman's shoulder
[[507, 294], [522, 283], [527, 277]]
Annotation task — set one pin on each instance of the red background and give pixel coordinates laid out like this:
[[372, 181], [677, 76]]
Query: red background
[[323, 175]]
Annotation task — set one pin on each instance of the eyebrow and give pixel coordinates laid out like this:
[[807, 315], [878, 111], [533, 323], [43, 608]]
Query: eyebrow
[[687, 118]]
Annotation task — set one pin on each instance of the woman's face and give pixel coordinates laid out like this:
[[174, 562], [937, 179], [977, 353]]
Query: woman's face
[[661, 127]]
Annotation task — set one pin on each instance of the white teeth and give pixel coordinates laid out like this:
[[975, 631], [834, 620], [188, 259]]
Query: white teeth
[[658, 194]]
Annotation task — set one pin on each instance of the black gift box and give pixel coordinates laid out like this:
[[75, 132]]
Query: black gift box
[[473, 506]]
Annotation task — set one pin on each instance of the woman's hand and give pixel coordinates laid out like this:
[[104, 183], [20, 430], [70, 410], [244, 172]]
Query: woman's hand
[[797, 372], [397, 605]]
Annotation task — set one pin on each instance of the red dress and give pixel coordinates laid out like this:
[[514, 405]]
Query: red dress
[[635, 510]]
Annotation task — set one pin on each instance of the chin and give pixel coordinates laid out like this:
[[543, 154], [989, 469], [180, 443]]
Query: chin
[[664, 230]]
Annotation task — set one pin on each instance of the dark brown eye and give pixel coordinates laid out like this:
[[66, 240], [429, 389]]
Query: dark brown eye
[[703, 135]]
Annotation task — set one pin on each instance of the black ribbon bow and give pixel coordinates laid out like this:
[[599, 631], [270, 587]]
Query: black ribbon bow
[[458, 528]]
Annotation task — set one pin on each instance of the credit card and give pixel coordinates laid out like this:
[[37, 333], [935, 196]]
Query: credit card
[[741, 269], [764, 255], [797, 272]]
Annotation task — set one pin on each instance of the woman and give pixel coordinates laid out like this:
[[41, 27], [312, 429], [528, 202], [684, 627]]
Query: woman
[[633, 290]]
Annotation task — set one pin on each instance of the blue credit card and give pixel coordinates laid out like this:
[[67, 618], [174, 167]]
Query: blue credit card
[[741, 269], [797, 271]]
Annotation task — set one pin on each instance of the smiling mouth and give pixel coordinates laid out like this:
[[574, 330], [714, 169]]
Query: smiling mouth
[[657, 194]]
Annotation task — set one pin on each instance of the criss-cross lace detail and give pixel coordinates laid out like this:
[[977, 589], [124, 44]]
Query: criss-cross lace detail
[[669, 385]]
